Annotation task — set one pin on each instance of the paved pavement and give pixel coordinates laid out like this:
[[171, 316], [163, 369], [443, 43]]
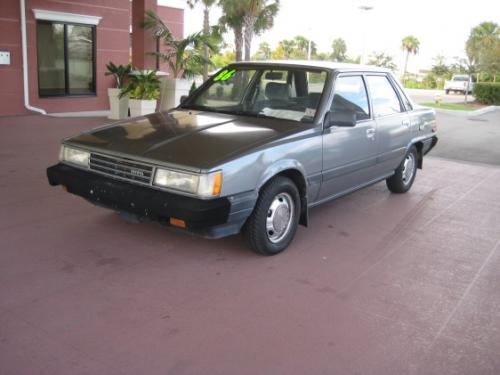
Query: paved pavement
[[379, 283], [422, 96]]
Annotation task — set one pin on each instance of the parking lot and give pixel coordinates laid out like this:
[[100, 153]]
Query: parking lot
[[378, 284]]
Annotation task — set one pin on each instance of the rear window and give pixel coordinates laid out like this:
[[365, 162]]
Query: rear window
[[384, 98]]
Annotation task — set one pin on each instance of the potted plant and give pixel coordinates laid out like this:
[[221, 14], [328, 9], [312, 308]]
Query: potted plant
[[118, 104], [143, 90], [183, 56]]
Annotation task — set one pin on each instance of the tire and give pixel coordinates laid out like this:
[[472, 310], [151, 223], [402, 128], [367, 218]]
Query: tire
[[265, 233], [402, 179], [447, 92]]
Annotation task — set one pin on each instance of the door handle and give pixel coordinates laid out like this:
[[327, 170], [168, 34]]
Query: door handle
[[405, 122], [370, 133]]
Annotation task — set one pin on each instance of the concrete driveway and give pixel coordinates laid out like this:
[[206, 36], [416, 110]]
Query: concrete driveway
[[379, 283]]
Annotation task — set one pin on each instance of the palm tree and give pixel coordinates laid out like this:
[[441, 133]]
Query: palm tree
[[288, 46], [409, 44], [258, 17], [382, 60], [183, 56], [302, 46], [207, 4], [232, 18], [247, 18], [339, 50], [483, 45], [264, 52]]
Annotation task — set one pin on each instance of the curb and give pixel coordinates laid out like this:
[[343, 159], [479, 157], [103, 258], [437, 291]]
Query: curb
[[104, 113], [477, 112]]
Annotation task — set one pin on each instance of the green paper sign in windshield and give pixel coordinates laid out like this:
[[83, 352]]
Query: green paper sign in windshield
[[225, 75]]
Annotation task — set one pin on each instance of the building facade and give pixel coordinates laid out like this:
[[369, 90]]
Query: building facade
[[68, 44]]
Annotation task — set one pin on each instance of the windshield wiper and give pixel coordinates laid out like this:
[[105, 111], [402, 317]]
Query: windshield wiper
[[198, 107], [253, 114]]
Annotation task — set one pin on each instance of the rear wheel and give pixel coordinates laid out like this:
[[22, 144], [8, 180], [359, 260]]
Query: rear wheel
[[403, 177], [273, 222], [447, 92]]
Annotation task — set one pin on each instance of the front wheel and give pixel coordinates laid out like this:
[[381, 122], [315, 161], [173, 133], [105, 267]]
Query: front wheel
[[403, 177], [274, 220], [447, 92]]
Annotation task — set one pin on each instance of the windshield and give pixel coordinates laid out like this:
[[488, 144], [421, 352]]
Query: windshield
[[460, 78], [283, 93]]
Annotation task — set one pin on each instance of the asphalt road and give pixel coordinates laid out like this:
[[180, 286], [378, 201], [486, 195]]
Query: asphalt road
[[422, 96], [474, 139]]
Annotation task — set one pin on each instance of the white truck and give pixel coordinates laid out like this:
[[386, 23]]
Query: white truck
[[459, 82]]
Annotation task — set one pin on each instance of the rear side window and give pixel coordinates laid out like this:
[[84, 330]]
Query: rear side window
[[385, 101], [406, 102], [350, 95]]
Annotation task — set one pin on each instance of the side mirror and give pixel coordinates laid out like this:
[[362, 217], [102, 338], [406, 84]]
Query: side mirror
[[183, 98], [344, 118]]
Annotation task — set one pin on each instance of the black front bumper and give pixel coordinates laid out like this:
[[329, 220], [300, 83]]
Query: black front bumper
[[213, 218]]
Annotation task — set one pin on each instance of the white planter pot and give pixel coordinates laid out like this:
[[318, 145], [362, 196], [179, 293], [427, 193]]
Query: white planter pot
[[141, 107], [118, 106], [171, 91]]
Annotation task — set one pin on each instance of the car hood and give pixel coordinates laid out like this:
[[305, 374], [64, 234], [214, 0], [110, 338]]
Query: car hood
[[186, 138]]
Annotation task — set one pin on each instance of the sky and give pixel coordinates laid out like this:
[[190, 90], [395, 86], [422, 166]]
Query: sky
[[442, 26]]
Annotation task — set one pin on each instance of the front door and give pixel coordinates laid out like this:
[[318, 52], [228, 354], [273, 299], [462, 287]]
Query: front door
[[349, 153]]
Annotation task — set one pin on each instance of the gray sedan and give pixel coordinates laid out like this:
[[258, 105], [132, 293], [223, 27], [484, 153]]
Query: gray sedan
[[253, 149]]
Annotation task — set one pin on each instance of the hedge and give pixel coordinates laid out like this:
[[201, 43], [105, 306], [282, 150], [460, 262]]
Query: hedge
[[487, 92]]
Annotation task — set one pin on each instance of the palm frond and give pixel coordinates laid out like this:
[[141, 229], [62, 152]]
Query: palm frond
[[159, 28]]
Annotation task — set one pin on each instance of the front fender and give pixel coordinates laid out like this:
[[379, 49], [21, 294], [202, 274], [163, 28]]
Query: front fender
[[278, 167], [290, 165]]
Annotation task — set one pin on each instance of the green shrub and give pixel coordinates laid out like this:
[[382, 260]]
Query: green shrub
[[142, 85], [487, 92], [429, 81], [412, 84]]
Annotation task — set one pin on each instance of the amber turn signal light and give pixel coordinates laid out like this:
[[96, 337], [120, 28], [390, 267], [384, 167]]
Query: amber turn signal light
[[217, 187], [177, 222]]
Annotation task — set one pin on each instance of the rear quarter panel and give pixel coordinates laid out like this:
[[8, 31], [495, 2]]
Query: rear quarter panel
[[423, 122]]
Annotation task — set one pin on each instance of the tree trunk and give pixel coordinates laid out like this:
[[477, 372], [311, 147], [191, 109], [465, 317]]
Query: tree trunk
[[238, 43], [406, 65], [249, 24], [206, 30]]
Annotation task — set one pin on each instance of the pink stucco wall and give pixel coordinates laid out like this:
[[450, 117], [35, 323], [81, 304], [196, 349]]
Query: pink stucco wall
[[112, 44]]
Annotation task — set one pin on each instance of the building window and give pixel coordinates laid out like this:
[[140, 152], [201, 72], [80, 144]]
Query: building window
[[66, 59]]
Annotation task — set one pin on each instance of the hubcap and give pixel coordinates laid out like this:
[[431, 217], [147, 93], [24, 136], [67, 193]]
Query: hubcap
[[408, 168], [279, 217]]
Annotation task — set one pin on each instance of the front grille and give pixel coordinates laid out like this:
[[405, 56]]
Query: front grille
[[127, 169]]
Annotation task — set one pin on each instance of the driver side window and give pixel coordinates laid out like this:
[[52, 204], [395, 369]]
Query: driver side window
[[350, 95]]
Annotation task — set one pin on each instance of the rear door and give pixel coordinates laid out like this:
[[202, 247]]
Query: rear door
[[393, 122], [349, 153]]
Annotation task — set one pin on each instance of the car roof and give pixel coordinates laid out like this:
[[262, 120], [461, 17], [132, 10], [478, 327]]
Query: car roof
[[330, 65]]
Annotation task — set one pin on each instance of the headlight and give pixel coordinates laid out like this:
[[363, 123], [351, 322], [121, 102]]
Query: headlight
[[203, 185], [74, 156]]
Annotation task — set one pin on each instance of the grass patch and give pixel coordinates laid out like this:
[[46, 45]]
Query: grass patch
[[456, 107]]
